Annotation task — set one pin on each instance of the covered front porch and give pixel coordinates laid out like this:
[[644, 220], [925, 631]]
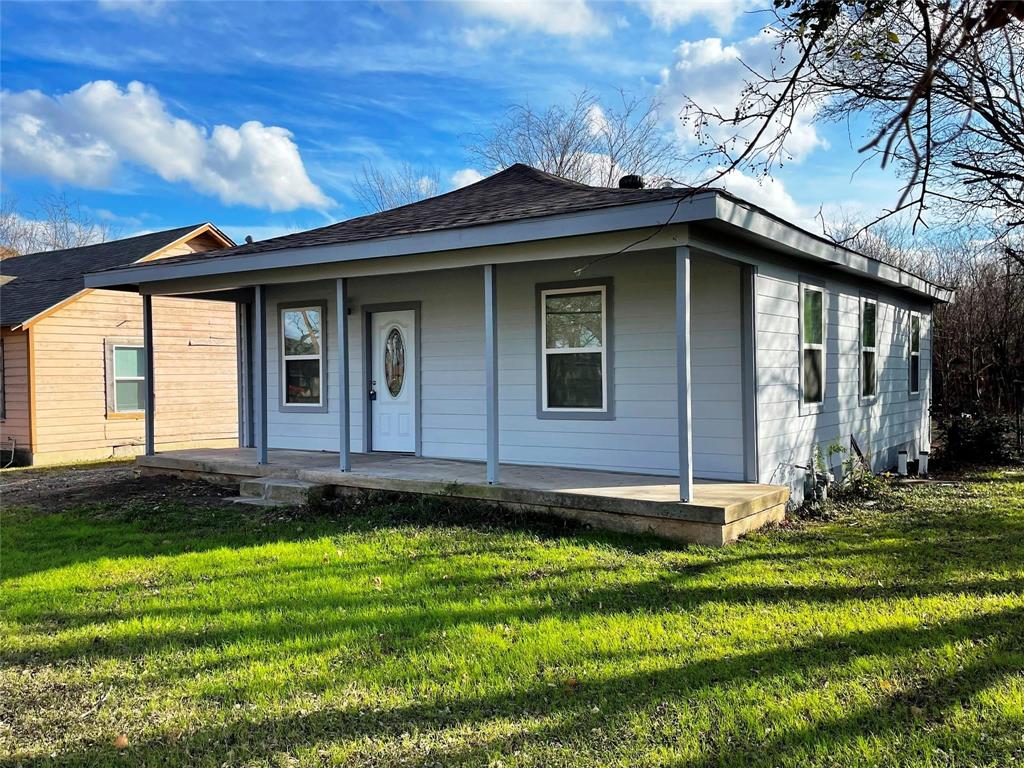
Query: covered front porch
[[718, 512]]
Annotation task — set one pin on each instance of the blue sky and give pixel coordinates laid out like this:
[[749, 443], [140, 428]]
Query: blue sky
[[258, 116]]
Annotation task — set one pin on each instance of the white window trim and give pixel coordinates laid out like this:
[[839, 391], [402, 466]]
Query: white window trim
[[113, 363], [545, 350], [911, 354], [818, 405], [863, 348], [320, 404]]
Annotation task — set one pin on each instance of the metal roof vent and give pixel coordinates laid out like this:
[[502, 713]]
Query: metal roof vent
[[631, 181]]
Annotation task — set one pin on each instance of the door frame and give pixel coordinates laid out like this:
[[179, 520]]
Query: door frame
[[368, 311]]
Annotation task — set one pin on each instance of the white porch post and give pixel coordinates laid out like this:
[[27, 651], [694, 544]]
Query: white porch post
[[147, 342], [491, 368], [344, 431], [259, 378], [683, 373]]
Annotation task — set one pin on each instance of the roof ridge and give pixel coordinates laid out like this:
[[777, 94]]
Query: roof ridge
[[547, 176], [103, 243], [502, 173]]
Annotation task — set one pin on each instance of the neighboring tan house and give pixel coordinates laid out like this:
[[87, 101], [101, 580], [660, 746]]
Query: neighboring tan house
[[73, 363], [528, 339]]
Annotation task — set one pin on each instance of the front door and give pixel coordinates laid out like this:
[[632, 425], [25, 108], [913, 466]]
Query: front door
[[393, 381]]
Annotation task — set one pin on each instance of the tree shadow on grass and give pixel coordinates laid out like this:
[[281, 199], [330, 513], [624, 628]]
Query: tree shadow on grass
[[163, 522], [998, 635], [910, 561]]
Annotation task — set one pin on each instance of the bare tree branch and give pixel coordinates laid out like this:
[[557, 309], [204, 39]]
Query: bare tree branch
[[381, 189], [585, 140]]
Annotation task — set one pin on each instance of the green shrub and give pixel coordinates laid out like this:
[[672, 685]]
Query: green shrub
[[974, 439]]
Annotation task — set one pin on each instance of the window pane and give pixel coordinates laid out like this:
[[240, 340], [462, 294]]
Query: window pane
[[868, 324], [868, 374], [129, 361], [812, 316], [915, 334], [574, 381], [302, 381], [129, 395], [915, 373], [812, 375], [302, 331], [573, 320], [394, 362]]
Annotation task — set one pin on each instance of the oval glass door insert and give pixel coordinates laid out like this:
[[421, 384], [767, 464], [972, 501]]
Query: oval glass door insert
[[394, 361]]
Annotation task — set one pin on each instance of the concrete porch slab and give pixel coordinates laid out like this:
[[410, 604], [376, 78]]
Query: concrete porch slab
[[719, 512]]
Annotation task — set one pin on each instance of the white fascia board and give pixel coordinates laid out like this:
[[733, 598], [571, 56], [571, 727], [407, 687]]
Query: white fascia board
[[593, 247], [462, 246], [791, 239], [626, 217]]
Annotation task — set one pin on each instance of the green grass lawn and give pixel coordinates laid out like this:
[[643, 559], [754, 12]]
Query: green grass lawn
[[391, 634]]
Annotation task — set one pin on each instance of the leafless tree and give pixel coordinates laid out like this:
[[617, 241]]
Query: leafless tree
[[942, 83], [382, 189], [585, 140], [52, 224], [978, 338]]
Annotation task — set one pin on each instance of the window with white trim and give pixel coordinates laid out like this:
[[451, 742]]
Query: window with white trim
[[868, 347], [128, 394], [302, 355], [574, 364], [812, 339], [915, 353]]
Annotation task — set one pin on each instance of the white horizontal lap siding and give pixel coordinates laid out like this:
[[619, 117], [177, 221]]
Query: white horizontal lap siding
[[450, 371], [716, 360], [891, 421], [297, 428], [642, 436]]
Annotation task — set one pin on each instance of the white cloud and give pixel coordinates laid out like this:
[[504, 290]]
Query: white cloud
[[771, 194], [597, 121], [83, 137], [712, 75], [564, 18], [465, 177], [721, 14]]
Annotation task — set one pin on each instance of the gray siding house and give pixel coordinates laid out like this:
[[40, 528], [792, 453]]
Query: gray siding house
[[669, 341]]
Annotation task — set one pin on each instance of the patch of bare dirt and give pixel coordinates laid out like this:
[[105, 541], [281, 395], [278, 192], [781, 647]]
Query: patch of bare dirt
[[57, 488]]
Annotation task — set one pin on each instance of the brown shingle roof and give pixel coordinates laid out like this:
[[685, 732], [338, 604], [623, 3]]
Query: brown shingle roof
[[518, 192], [34, 282]]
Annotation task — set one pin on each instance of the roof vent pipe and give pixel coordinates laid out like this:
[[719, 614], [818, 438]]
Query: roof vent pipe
[[631, 181], [248, 239]]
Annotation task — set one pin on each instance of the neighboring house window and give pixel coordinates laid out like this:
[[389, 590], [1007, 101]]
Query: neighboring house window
[[915, 353], [812, 310], [574, 339], [129, 389], [302, 355], [868, 347]]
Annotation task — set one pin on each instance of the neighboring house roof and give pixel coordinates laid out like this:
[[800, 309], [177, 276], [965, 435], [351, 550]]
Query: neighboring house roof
[[518, 204], [34, 282]]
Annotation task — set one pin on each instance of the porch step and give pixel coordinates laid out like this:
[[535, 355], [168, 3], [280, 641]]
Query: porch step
[[271, 491]]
